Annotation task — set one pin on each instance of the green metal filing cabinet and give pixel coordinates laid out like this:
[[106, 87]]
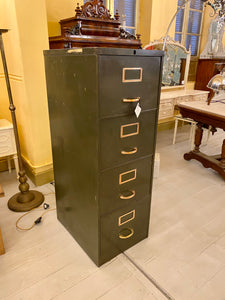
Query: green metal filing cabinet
[[102, 152]]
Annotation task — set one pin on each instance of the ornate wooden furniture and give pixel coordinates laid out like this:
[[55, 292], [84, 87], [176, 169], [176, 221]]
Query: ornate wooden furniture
[[175, 76], [7, 143], [205, 71], [170, 100], [206, 115], [93, 26], [208, 68], [211, 55], [103, 153]]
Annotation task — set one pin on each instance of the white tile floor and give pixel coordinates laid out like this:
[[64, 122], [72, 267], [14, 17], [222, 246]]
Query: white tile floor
[[183, 257]]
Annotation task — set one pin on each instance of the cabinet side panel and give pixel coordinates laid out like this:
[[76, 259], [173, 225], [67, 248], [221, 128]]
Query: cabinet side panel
[[73, 110]]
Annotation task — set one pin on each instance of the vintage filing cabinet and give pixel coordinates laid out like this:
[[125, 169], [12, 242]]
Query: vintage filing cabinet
[[102, 152]]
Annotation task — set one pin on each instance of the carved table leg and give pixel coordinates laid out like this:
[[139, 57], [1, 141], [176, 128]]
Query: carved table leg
[[198, 140], [223, 155], [198, 137]]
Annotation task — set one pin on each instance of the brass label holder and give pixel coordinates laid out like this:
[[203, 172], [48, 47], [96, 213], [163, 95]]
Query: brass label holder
[[123, 135], [132, 217], [121, 181], [132, 80]]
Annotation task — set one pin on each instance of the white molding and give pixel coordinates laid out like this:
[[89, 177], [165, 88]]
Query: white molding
[[12, 77]]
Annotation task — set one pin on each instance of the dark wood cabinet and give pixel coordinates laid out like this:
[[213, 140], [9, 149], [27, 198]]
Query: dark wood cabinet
[[93, 26], [102, 152], [205, 71]]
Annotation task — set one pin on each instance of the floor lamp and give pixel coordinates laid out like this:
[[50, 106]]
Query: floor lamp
[[25, 200]]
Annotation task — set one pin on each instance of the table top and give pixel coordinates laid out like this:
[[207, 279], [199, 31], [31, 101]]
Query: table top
[[213, 114], [217, 108]]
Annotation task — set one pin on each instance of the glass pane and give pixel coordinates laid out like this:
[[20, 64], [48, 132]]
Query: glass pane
[[180, 2], [178, 37], [127, 8], [194, 22], [131, 31], [179, 21], [192, 41], [196, 4]]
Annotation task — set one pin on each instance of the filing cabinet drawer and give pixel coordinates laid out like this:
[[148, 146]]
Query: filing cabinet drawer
[[123, 139], [124, 83], [123, 228], [125, 185]]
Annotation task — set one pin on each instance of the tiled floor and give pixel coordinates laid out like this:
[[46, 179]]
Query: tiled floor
[[183, 258]]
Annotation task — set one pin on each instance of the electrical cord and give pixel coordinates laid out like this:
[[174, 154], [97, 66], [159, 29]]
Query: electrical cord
[[37, 221]]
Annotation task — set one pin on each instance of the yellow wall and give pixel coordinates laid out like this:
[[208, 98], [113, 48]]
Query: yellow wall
[[144, 26], [58, 10], [162, 13], [155, 17], [24, 46], [7, 17]]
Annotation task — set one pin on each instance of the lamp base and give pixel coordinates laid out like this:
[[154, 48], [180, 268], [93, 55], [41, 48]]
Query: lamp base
[[21, 202]]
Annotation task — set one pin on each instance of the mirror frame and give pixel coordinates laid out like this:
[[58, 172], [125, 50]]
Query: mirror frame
[[170, 41]]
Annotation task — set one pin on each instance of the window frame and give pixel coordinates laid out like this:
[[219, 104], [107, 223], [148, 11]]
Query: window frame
[[187, 8], [110, 6]]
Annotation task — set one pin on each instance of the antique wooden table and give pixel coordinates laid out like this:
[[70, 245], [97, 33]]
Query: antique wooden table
[[206, 115]]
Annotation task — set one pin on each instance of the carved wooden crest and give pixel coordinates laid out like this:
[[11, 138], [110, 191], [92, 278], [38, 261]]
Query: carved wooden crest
[[95, 9], [93, 26]]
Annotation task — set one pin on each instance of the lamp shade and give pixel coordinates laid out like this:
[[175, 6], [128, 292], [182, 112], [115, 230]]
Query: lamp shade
[[217, 83]]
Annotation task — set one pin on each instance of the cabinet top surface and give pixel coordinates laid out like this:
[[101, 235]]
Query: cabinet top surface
[[104, 51], [5, 124], [181, 93]]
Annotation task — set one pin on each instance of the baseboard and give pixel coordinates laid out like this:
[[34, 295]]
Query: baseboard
[[38, 175], [165, 126]]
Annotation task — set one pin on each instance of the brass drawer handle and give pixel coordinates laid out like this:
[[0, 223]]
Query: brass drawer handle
[[129, 152], [122, 197], [123, 237], [131, 100]]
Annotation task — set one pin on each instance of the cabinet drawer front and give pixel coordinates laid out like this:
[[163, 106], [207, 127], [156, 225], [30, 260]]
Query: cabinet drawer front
[[166, 109], [183, 99], [124, 82], [116, 238], [124, 185], [202, 97], [126, 138]]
